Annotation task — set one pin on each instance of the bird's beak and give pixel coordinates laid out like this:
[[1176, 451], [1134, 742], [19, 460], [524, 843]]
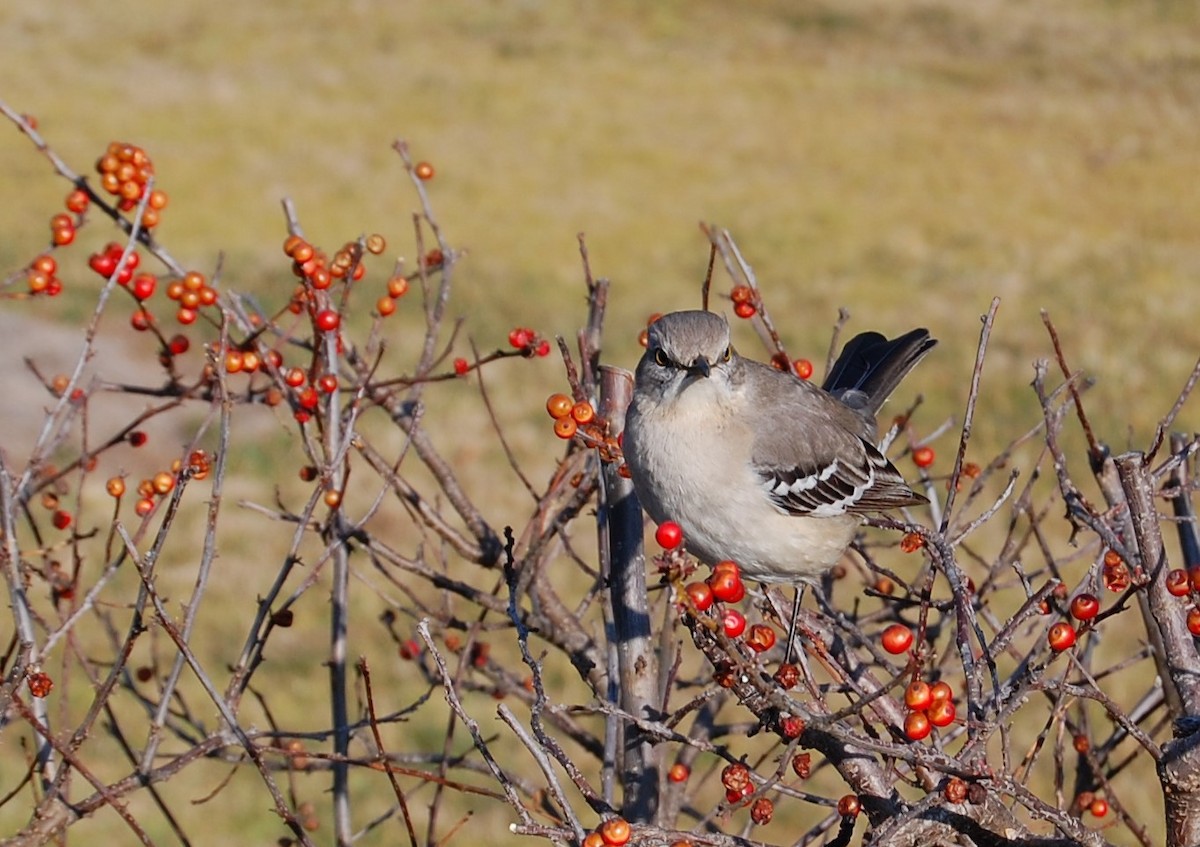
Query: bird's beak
[[699, 367]]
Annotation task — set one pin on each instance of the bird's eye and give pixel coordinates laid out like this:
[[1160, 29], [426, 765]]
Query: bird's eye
[[660, 358], [728, 354]]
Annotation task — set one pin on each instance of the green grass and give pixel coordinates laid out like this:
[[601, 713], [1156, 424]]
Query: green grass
[[909, 161]]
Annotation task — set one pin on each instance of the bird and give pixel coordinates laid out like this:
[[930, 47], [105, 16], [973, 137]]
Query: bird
[[755, 464]]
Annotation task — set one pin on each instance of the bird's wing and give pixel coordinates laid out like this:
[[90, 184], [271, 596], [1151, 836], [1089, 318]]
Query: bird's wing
[[813, 457]]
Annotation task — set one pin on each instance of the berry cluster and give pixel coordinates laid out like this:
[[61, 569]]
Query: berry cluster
[[929, 706], [125, 172], [528, 342], [569, 415], [42, 276], [745, 301], [1181, 583], [152, 489]]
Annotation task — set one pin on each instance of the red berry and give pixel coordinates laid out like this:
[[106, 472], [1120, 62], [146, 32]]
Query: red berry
[[178, 345], [1178, 582], [1099, 807], [896, 638], [39, 683], [761, 638], [727, 585], [803, 368], [733, 622], [327, 320], [918, 696], [327, 383], [142, 286], [941, 713], [1062, 636], [744, 310], [923, 456], [941, 691], [762, 811], [1085, 607], [791, 726], [849, 806], [1193, 621], [308, 398], [461, 366], [61, 519], [679, 772], [700, 595], [543, 349], [103, 264], [141, 320], [519, 337], [668, 535], [917, 726]]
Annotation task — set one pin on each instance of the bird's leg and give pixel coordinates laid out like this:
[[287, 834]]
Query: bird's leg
[[787, 652]]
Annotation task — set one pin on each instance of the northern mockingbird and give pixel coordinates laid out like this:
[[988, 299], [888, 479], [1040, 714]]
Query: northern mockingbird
[[757, 465]]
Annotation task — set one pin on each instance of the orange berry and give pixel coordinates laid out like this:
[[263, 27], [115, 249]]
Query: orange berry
[[397, 286], [565, 427], [918, 695], [911, 542], [162, 483], [424, 171], [376, 244], [559, 405], [615, 832], [583, 412], [78, 201], [385, 306], [923, 456]]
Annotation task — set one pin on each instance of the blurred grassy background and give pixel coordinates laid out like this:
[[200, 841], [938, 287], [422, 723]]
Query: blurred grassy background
[[908, 160]]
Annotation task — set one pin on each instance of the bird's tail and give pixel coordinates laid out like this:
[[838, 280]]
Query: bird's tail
[[870, 367]]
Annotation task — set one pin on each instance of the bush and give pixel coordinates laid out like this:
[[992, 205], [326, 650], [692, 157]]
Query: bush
[[1020, 687]]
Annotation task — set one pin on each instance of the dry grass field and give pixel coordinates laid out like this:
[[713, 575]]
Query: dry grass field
[[907, 160]]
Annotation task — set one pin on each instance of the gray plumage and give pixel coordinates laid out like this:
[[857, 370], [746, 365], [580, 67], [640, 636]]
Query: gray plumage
[[757, 465]]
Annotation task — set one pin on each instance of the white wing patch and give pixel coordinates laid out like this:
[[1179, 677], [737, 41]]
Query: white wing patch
[[869, 484]]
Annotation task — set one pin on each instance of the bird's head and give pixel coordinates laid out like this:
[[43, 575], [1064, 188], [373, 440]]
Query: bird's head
[[685, 349]]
